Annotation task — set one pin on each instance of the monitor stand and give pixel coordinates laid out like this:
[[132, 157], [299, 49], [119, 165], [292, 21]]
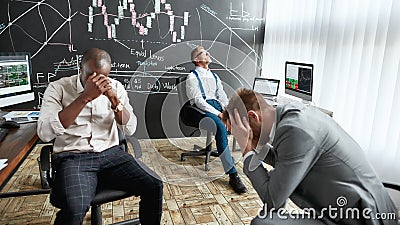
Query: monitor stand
[[2, 113]]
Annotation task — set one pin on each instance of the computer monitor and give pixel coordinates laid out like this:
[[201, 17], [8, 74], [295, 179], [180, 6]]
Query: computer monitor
[[15, 78], [299, 80]]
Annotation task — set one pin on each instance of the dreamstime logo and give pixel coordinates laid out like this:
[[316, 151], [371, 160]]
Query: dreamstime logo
[[330, 212], [341, 201]]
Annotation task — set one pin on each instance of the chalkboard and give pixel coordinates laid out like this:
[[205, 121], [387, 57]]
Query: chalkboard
[[149, 42]]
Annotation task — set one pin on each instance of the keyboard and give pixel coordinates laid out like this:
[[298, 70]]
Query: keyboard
[[3, 133], [285, 100], [271, 102]]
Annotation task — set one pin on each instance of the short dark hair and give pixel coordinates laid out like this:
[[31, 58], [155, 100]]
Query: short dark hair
[[243, 100]]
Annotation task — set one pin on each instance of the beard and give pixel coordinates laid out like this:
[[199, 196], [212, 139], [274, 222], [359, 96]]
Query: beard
[[255, 141], [256, 134], [260, 136]]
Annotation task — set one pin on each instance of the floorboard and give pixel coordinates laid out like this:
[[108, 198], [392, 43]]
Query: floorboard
[[191, 195]]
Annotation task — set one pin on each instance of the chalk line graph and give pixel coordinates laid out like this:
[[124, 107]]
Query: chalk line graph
[[244, 56], [252, 50], [48, 37], [232, 32]]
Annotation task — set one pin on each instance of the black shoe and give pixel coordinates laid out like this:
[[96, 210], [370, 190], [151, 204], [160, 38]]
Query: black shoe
[[236, 183]]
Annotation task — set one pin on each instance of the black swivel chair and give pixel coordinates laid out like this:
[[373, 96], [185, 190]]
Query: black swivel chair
[[396, 188], [187, 116], [391, 186], [104, 194]]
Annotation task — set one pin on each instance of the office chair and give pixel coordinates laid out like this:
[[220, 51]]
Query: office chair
[[104, 194], [391, 186], [191, 116], [395, 187]]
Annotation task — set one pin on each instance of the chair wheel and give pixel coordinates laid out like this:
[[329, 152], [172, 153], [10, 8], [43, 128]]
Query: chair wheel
[[207, 167], [183, 158]]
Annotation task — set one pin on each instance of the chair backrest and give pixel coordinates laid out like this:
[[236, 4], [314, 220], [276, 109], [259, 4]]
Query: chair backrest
[[394, 192], [182, 90], [188, 114], [122, 140]]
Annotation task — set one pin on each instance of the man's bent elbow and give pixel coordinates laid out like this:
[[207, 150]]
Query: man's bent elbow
[[44, 136]]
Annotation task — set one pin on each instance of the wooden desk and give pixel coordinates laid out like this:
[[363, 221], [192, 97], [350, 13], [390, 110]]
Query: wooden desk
[[15, 147]]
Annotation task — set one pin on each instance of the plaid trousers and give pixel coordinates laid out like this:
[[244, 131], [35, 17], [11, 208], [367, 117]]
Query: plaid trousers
[[77, 175]]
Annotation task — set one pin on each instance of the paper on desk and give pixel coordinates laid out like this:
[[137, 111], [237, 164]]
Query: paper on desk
[[3, 163], [14, 114], [22, 116]]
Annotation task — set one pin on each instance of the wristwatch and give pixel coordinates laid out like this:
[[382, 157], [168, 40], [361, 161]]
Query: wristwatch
[[118, 108]]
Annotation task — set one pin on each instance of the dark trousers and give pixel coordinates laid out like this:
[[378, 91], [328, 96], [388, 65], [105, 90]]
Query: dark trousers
[[77, 175]]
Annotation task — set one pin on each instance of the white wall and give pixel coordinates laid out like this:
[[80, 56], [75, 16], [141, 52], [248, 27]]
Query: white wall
[[355, 48]]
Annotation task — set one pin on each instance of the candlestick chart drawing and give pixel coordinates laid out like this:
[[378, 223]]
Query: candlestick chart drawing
[[144, 39]]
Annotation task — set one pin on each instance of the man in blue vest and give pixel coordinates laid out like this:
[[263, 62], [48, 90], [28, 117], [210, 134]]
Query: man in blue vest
[[205, 91]]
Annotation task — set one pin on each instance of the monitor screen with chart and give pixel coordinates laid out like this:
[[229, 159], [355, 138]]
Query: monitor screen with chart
[[15, 79], [299, 80]]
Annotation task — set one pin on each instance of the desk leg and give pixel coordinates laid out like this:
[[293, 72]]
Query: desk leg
[[234, 144]]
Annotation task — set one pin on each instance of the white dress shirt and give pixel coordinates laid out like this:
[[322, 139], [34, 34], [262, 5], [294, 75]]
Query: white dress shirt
[[208, 81], [94, 129]]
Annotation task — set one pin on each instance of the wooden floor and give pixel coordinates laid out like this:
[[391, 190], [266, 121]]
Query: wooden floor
[[191, 195]]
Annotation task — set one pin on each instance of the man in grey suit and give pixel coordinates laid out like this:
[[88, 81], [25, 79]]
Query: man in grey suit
[[316, 164]]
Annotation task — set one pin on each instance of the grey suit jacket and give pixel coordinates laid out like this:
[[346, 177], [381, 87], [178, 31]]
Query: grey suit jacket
[[318, 165]]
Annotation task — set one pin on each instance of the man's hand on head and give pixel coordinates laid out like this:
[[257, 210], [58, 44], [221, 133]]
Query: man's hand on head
[[112, 97], [96, 85], [110, 93], [241, 130]]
